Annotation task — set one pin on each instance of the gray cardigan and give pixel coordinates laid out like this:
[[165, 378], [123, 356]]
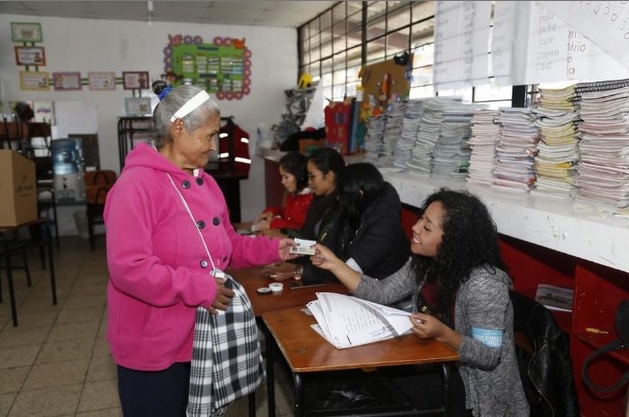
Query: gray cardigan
[[490, 375]]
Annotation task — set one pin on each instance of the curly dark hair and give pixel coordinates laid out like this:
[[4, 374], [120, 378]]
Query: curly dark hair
[[295, 163], [470, 240]]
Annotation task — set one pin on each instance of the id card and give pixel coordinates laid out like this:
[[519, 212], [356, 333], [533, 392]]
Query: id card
[[304, 247]]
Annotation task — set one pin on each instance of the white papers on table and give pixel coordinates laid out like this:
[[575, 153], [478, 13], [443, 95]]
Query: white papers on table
[[346, 321]]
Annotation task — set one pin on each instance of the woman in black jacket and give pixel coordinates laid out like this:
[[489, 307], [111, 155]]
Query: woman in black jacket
[[364, 229], [371, 238]]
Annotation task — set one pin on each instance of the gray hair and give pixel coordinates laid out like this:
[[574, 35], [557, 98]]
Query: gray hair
[[171, 103]]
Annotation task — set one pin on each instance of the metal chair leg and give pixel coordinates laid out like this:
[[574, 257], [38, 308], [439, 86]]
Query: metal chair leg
[[28, 272]]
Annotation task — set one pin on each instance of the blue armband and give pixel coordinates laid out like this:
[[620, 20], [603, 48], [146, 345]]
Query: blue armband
[[489, 337]]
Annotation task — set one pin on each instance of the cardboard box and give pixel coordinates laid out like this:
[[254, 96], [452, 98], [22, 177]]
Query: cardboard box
[[18, 189]]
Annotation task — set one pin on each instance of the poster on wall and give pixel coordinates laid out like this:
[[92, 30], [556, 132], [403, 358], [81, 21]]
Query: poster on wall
[[34, 81], [101, 80], [30, 55], [137, 106], [66, 81], [44, 112], [135, 80], [26, 32], [222, 67]]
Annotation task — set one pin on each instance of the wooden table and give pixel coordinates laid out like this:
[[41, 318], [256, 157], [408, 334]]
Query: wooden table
[[306, 351], [252, 279], [12, 245]]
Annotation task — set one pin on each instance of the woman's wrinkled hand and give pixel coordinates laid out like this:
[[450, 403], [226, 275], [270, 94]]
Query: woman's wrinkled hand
[[284, 249], [223, 297]]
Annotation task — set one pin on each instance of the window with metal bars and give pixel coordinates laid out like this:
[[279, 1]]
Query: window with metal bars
[[334, 46]]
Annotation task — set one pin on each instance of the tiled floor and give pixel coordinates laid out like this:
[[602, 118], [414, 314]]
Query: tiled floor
[[56, 362]]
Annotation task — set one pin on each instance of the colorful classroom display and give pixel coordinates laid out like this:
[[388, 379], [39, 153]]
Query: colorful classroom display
[[222, 67]]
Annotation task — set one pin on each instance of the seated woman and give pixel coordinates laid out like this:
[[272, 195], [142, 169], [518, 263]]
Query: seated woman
[[367, 232], [325, 166], [298, 197], [461, 297]]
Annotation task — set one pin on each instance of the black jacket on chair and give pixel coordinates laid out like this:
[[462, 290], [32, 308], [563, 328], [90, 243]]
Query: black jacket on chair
[[546, 373]]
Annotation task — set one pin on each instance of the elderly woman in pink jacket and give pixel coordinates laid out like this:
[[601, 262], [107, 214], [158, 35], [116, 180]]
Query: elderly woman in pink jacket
[[169, 239]]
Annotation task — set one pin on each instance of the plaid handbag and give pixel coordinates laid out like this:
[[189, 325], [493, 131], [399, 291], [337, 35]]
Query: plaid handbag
[[226, 359]]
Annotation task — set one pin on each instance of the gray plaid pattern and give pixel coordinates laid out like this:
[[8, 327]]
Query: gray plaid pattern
[[226, 359]]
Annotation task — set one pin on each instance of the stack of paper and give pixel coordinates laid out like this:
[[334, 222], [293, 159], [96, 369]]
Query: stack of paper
[[555, 298], [346, 321], [392, 131], [428, 134], [557, 152], [603, 171], [451, 155], [374, 138], [515, 150], [485, 133], [410, 127]]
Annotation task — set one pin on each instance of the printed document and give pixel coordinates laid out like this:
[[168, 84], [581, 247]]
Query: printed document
[[346, 321]]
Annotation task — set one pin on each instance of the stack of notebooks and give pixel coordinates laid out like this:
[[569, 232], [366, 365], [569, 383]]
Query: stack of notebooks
[[451, 155], [374, 138], [603, 170], [428, 134], [410, 128], [557, 152], [392, 131], [515, 150], [485, 133]]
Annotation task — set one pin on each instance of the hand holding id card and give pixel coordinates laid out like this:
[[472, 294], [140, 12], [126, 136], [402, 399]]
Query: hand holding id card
[[304, 247]]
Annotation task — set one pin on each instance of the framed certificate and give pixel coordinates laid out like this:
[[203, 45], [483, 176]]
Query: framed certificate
[[66, 81], [34, 81], [101, 80], [26, 32], [137, 106], [30, 55], [135, 80]]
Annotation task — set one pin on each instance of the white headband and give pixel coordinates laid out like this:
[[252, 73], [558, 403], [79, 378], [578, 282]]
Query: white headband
[[190, 105]]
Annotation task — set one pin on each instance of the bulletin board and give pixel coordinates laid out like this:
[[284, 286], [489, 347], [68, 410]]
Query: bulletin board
[[382, 82], [222, 67]]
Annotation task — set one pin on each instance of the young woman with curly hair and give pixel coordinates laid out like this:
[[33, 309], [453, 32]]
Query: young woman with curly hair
[[460, 291]]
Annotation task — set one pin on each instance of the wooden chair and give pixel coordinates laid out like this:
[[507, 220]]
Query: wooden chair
[[97, 185]]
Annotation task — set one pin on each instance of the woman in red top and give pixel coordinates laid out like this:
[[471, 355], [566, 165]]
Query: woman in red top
[[297, 200]]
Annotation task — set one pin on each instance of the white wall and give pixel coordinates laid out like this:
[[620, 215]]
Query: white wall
[[109, 45]]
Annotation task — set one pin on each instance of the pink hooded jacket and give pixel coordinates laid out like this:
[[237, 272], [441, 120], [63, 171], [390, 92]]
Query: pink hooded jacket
[[159, 269]]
